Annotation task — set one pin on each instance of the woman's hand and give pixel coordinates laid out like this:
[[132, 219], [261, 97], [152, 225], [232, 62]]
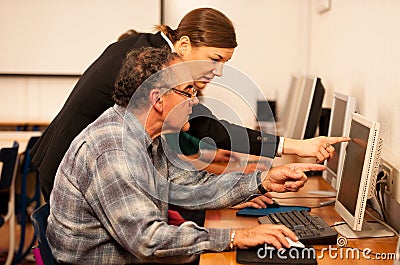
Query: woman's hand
[[319, 147]]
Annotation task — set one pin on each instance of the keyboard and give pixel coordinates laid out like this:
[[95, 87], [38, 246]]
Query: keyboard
[[310, 229]]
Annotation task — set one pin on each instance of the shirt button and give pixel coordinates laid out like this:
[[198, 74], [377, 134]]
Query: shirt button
[[259, 138], [265, 139]]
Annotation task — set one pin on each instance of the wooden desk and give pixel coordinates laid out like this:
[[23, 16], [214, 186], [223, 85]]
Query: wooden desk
[[227, 218], [7, 139], [24, 125], [22, 137]]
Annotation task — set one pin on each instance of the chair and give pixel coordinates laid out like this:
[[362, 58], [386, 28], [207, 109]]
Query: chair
[[26, 168], [39, 221], [9, 158]]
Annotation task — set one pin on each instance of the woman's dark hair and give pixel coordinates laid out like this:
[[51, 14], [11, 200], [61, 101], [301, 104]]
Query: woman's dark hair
[[138, 66], [126, 34], [204, 27]]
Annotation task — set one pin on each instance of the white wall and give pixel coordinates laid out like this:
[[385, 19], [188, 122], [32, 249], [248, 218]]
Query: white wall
[[64, 37], [272, 41], [355, 49], [45, 37], [36, 99]]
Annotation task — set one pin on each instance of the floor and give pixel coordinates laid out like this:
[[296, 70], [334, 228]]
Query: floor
[[4, 241]]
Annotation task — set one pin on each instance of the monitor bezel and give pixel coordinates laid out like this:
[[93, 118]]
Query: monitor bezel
[[351, 107], [287, 115], [301, 120], [368, 175]]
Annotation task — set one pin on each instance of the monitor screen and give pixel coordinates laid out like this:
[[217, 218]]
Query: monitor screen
[[309, 109], [353, 167], [314, 113], [360, 168], [343, 107], [337, 130]]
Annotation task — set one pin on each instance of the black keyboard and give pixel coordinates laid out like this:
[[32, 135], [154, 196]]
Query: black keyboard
[[310, 229]]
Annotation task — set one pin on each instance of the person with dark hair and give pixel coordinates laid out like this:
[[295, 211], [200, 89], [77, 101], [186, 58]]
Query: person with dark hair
[[127, 34], [113, 188], [203, 34]]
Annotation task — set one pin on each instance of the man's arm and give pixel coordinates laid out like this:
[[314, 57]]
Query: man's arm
[[193, 189], [136, 217]]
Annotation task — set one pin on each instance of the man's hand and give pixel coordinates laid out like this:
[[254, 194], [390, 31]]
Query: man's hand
[[261, 201], [264, 234], [289, 177]]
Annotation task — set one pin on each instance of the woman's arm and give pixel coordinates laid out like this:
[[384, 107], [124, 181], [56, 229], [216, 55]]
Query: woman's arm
[[229, 136]]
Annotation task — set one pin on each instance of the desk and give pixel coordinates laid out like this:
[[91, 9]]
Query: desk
[[25, 125], [7, 139], [22, 137], [227, 218]]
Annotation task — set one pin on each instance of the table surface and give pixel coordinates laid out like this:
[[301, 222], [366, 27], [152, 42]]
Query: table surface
[[22, 137], [7, 139], [382, 248]]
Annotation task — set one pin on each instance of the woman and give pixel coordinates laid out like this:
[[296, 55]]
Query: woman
[[203, 34]]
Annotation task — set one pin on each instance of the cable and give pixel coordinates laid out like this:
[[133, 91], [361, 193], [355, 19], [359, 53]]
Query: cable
[[326, 203], [383, 223], [321, 204], [380, 195], [337, 224], [304, 197], [375, 210]]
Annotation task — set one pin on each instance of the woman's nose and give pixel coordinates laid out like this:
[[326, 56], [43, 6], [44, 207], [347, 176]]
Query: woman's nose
[[218, 69]]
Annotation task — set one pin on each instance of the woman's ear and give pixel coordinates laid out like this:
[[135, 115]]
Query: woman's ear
[[183, 46]]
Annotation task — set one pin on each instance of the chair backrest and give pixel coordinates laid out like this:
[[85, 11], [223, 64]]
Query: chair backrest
[[27, 165], [39, 221], [8, 155]]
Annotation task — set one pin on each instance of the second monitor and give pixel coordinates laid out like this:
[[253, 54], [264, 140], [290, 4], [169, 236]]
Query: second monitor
[[343, 107], [303, 108]]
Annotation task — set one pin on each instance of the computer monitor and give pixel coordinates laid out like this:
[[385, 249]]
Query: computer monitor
[[357, 184], [309, 108], [343, 107], [290, 107]]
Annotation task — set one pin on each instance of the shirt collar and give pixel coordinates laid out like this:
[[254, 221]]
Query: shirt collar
[[168, 41], [132, 126]]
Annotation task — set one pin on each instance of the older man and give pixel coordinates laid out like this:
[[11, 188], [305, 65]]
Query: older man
[[112, 190]]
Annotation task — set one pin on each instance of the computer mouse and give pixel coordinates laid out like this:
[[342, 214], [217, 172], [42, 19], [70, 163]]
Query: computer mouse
[[274, 204], [296, 244]]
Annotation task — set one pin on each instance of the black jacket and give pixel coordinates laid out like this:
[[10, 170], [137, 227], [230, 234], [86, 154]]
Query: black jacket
[[91, 96]]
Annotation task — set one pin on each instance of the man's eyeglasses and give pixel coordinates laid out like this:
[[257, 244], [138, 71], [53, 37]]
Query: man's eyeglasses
[[186, 94]]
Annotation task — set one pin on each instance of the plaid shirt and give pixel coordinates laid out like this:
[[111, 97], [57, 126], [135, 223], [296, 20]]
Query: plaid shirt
[[110, 198]]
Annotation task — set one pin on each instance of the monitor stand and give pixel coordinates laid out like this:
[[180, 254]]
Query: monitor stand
[[368, 230]]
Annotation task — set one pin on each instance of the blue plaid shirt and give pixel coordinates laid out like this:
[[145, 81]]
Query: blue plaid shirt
[[110, 198]]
